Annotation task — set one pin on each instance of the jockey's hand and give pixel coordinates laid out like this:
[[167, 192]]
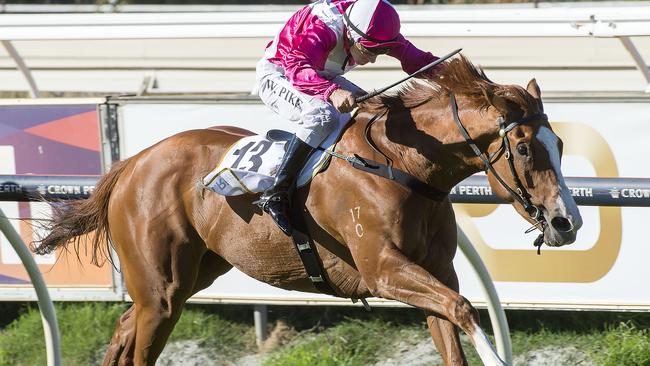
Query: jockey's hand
[[343, 100]]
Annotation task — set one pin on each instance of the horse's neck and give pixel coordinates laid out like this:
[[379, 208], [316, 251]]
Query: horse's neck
[[425, 143]]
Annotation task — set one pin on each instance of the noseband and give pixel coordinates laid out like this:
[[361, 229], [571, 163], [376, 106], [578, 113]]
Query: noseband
[[521, 195]]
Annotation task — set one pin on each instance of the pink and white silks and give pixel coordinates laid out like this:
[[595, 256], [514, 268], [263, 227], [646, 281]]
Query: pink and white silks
[[303, 64]]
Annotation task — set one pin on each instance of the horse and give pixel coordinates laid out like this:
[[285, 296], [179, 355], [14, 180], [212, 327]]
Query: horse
[[173, 239]]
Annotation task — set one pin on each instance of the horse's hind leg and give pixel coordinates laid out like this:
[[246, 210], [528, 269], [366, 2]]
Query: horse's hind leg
[[120, 350], [160, 307], [160, 262]]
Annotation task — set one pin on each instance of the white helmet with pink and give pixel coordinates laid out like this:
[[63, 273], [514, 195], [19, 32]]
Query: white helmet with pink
[[373, 23]]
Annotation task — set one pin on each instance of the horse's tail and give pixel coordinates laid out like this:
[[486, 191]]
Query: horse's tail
[[71, 219]]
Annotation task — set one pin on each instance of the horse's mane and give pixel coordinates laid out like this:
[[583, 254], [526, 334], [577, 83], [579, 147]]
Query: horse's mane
[[459, 76]]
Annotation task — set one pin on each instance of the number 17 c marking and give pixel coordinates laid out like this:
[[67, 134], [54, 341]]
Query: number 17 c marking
[[358, 228]]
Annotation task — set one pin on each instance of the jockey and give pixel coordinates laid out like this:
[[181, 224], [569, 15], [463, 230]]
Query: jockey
[[299, 77]]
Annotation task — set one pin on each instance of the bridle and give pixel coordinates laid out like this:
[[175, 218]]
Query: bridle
[[521, 195]]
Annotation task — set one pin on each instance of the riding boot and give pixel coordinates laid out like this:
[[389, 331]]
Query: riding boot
[[276, 201]]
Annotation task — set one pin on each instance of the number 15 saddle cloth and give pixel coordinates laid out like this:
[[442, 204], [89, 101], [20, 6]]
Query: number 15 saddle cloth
[[250, 165]]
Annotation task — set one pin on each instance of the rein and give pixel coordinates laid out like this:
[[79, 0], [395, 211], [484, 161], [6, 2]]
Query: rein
[[521, 195], [368, 135]]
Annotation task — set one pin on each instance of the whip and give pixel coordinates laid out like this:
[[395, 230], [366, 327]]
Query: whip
[[427, 67]]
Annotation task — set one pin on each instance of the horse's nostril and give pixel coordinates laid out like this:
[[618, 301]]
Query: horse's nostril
[[561, 224]]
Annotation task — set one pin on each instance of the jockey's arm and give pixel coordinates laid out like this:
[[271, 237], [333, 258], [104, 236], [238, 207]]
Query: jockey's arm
[[302, 63], [412, 58]]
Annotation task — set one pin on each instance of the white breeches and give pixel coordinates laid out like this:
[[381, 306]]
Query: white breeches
[[316, 118]]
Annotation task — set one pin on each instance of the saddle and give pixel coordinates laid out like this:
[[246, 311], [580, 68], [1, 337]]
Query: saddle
[[251, 163]]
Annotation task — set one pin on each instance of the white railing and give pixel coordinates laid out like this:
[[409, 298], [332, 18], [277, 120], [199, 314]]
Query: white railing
[[429, 22], [620, 22], [48, 314]]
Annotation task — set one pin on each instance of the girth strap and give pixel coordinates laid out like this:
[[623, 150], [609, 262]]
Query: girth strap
[[307, 251]]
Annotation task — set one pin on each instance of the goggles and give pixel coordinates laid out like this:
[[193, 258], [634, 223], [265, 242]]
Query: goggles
[[375, 50]]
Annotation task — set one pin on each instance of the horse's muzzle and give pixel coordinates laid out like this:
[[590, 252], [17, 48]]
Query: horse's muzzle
[[561, 231]]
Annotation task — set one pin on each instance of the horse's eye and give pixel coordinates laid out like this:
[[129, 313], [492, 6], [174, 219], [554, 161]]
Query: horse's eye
[[522, 149]]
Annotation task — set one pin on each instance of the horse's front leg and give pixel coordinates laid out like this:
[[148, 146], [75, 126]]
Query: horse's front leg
[[391, 275], [444, 333], [445, 337]]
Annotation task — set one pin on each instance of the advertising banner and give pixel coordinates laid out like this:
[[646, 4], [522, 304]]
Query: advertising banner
[[47, 139], [605, 268]]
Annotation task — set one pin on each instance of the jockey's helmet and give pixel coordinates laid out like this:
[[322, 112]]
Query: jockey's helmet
[[373, 23]]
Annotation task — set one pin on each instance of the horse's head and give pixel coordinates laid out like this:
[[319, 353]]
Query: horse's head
[[526, 157], [509, 136]]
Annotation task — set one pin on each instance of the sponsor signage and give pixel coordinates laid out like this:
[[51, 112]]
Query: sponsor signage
[[628, 192], [603, 269], [45, 187], [49, 140]]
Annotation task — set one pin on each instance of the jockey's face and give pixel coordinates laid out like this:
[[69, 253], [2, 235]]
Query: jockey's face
[[361, 55]]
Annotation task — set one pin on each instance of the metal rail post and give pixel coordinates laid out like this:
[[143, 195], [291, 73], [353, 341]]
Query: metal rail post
[[20, 63], [48, 315], [497, 315], [260, 316]]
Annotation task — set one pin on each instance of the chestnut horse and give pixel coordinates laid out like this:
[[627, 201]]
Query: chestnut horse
[[173, 239]]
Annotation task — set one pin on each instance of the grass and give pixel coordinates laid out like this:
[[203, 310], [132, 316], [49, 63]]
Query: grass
[[86, 329], [225, 333], [352, 342], [324, 336], [626, 345]]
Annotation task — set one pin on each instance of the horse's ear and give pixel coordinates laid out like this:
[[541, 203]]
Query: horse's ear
[[533, 89], [500, 103]]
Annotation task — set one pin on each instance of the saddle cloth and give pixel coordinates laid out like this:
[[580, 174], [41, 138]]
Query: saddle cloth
[[250, 165]]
